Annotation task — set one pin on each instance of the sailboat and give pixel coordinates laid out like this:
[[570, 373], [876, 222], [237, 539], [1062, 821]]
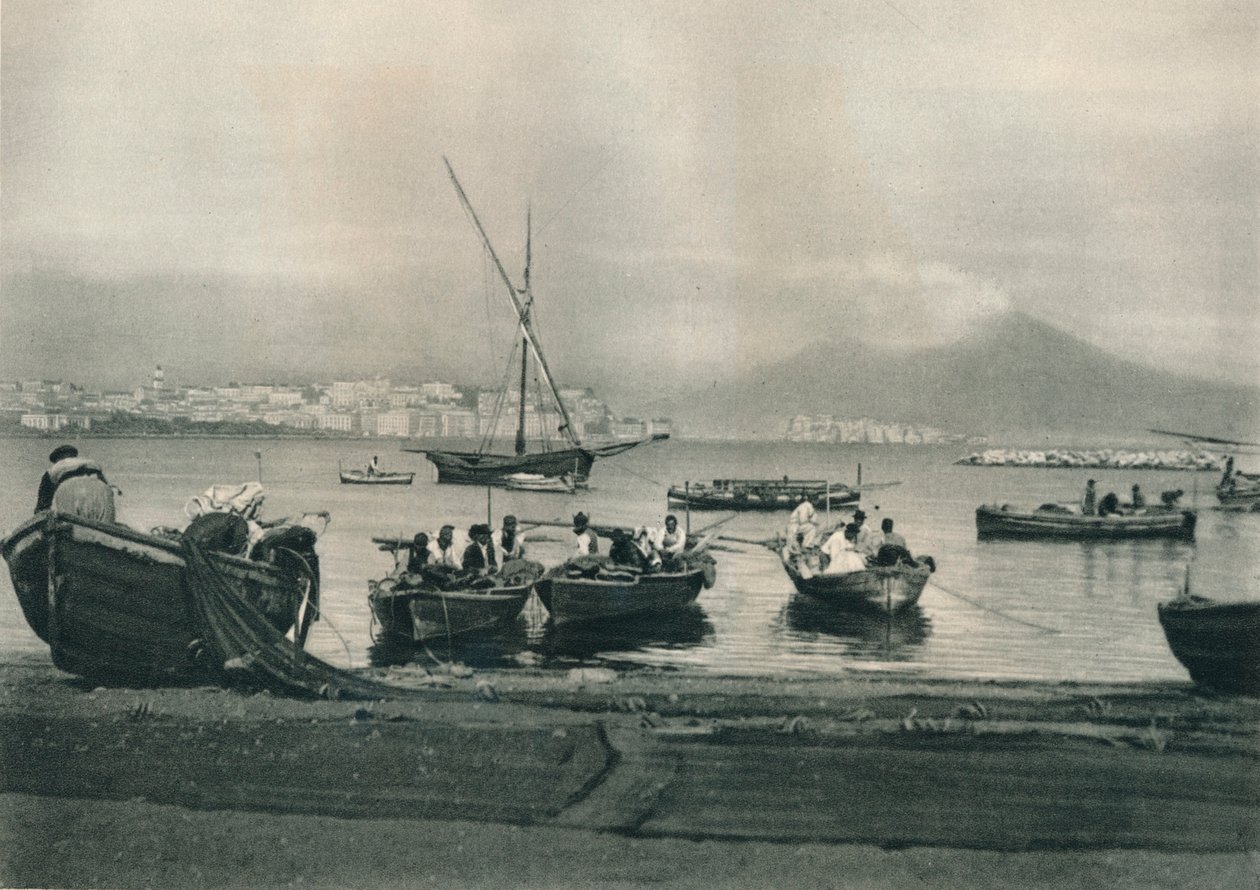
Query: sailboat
[[1236, 490], [485, 467]]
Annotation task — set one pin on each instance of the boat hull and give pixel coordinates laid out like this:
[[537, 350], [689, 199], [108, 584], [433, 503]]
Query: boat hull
[[883, 588], [471, 468], [993, 522], [578, 600], [113, 605], [1218, 643], [420, 615], [358, 477], [1239, 495], [765, 501], [534, 482]]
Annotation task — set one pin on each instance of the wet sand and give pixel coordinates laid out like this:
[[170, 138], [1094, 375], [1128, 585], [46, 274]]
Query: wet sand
[[594, 778]]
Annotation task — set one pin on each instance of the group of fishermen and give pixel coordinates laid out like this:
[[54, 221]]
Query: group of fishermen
[[482, 551], [850, 547]]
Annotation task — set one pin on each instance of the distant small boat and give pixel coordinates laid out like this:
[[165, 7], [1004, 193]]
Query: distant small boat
[[1219, 643], [763, 494], [363, 477], [575, 593], [565, 484], [418, 614], [1057, 522], [884, 588]]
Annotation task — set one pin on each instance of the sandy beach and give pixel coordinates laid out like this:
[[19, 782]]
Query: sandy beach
[[529, 779]]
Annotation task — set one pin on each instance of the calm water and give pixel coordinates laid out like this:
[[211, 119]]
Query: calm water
[[1093, 604]]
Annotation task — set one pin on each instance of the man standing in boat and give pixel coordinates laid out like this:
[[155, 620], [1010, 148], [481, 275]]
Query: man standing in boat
[[585, 539], [802, 527], [1089, 503]]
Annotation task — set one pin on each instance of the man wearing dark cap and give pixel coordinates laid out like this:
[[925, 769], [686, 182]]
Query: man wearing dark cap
[[868, 540], [43, 500], [418, 558], [479, 555], [586, 540]]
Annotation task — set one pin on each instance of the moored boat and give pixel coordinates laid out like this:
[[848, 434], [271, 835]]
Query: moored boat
[[595, 588], [1056, 522], [1218, 643], [565, 484], [486, 467], [762, 494], [116, 604], [362, 477], [884, 588], [412, 613]]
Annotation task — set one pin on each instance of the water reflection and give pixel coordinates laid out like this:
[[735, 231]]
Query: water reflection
[[490, 649], [872, 634], [678, 629]]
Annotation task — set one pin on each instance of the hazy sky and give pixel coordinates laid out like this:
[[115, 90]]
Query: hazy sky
[[234, 190]]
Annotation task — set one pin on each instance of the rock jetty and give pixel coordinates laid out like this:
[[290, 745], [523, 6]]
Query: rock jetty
[[1107, 458]]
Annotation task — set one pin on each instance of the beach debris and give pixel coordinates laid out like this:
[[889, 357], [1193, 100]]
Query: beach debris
[[461, 671], [907, 722], [856, 715], [591, 675], [486, 692], [1153, 738], [240, 663], [630, 704], [1096, 707], [362, 714], [142, 711], [974, 711], [651, 720], [795, 725]]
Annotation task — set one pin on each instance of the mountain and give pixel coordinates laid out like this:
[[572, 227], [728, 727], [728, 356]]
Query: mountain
[[1015, 374]]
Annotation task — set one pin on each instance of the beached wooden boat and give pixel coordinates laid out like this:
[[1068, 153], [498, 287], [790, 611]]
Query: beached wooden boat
[[885, 588], [565, 484], [115, 604], [363, 477], [485, 467], [595, 589], [762, 494], [1059, 522], [1219, 643], [418, 614]]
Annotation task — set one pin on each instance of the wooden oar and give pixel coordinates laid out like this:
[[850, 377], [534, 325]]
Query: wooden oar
[[770, 543], [713, 525]]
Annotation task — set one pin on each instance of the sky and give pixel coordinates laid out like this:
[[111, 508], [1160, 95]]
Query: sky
[[244, 190]]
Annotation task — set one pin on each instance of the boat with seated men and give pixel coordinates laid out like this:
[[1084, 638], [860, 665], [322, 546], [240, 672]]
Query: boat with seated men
[[1065, 522]]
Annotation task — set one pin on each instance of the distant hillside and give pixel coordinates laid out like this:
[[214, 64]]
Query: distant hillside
[[1016, 375]]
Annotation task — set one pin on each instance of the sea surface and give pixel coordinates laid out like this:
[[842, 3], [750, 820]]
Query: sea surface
[[1006, 610]]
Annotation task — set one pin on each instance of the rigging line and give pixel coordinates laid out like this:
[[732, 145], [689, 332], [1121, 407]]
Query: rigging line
[[984, 608], [888, 3], [585, 182], [487, 438], [633, 473]]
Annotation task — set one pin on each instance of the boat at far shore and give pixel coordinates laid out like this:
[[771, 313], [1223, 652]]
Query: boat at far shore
[[565, 484], [1218, 643], [1060, 522], [363, 477], [763, 494]]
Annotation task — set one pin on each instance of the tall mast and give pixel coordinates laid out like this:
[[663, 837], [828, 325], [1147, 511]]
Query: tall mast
[[522, 313], [529, 302]]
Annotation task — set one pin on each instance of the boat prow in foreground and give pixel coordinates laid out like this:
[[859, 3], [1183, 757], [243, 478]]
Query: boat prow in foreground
[[416, 614], [116, 604], [1218, 643], [1152, 522], [883, 588], [594, 588]]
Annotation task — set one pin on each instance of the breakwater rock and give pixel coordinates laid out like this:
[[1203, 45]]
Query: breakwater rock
[[1106, 458]]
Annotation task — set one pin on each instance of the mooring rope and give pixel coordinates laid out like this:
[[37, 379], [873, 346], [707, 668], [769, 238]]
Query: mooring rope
[[984, 608]]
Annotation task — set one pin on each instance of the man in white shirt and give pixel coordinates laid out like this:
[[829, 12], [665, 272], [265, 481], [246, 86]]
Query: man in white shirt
[[802, 527], [443, 550], [585, 539], [670, 541], [509, 541]]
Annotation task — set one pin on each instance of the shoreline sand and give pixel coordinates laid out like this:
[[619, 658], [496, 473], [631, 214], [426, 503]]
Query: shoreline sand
[[621, 779]]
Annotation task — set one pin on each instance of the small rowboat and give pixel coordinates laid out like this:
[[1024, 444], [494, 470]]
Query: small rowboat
[[565, 484], [1219, 643], [418, 614], [363, 477], [1060, 523], [884, 588], [595, 589], [762, 494]]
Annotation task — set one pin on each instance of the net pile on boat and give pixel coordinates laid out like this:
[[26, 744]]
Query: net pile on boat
[[252, 649]]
